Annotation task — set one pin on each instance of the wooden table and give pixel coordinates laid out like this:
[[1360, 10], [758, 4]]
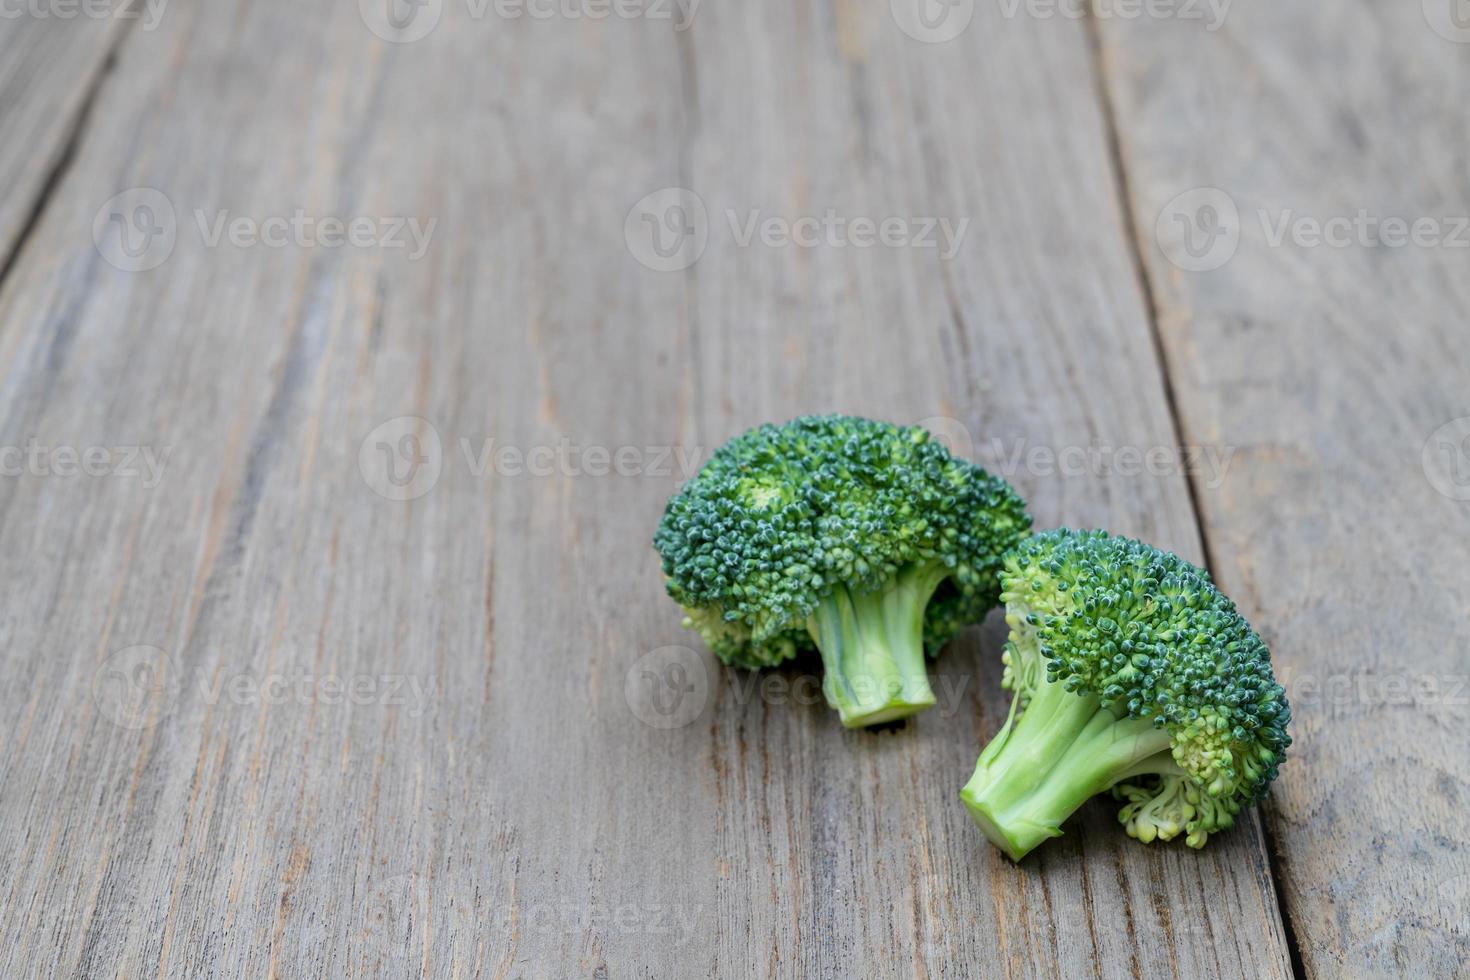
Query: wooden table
[[333, 640]]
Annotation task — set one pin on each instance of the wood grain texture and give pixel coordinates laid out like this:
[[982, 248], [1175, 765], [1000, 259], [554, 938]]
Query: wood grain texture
[[1341, 529], [49, 68], [485, 798], [834, 109]]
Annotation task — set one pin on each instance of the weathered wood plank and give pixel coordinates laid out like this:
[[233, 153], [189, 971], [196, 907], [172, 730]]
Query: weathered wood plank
[[484, 798], [1330, 370], [48, 68], [1034, 334], [326, 835]]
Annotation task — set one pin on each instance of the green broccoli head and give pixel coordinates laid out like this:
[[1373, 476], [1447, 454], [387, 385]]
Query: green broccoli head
[[864, 539], [1131, 672]]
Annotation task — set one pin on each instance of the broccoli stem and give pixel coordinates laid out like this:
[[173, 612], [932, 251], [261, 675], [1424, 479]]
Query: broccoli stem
[[1065, 749], [872, 646]]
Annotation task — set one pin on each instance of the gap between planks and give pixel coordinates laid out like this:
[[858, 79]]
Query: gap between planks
[[65, 155], [1125, 202]]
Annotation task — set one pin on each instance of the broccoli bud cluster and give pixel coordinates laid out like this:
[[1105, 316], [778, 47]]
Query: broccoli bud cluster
[[1131, 673], [1118, 629], [793, 536], [784, 514]]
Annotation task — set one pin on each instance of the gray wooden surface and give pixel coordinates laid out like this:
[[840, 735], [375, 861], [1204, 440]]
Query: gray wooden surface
[[263, 719], [50, 69], [1338, 373]]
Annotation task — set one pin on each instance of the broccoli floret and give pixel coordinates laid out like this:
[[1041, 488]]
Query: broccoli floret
[[866, 540], [1131, 673]]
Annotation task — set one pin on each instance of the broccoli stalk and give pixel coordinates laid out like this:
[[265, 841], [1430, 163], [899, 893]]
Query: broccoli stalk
[[1132, 673], [865, 540], [1062, 751], [872, 646]]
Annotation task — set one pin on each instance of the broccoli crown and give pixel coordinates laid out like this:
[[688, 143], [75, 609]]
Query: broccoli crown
[[782, 515], [1150, 636]]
